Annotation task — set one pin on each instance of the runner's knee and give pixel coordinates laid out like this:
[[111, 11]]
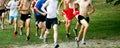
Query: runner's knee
[[87, 25], [47, 32]]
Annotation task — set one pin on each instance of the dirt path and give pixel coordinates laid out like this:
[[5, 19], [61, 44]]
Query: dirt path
[[90, 44]]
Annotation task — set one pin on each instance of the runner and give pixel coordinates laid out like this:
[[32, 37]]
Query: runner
[[2, 12], [40, 18], [51, 20], [83, 17], [25, 10], [13, 14], [67, 13]]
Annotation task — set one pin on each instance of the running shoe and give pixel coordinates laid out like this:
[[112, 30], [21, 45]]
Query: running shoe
[[41, 37], [67, 36], [27, 38], [15, 34], [56, 45], [75, 32], [77, 41]]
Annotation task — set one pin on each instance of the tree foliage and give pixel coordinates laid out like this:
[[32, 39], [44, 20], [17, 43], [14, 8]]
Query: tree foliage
[[116, 2]]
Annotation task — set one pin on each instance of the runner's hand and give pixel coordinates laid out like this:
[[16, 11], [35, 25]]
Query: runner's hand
[[44, 14], [74, 12], [58, 12], [88, 13]]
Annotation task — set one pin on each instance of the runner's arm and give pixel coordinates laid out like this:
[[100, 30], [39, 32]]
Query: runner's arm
[[74, 4], [44, 6], [8, 5], [60, 5], [93, 9]]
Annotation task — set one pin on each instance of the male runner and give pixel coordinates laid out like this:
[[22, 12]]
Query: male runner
[[25, 10], [51, 20], [13, 14], [2, 11], [40, 18], [83, 17], [67, 13]]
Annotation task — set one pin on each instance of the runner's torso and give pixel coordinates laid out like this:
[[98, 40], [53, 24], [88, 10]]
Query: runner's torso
[[2, 2], [84, 5], [66, 4], [24, 5]]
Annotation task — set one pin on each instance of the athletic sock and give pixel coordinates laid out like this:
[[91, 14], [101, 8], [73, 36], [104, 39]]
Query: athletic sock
[[20, 31], [45, 40]]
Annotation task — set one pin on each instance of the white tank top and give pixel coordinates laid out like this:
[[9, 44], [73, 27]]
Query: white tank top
[[52, 9]]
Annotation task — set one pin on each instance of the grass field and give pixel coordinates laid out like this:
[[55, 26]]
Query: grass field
[[104, 24]]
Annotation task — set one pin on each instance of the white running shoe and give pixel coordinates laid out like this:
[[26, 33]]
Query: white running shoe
[[83, 42], [20, 32], [36, 34], [41, 37], [2, 27]]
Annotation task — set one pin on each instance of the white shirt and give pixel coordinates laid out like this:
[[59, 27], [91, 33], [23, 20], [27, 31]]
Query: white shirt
[[13, 9], [51, 8]]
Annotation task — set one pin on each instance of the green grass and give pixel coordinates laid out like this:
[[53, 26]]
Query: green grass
[[104, 24]]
